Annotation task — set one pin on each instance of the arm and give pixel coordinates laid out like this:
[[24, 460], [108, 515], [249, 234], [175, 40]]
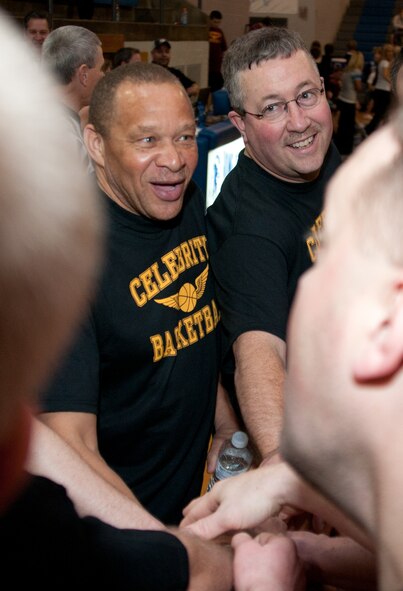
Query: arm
[[225, 425], [193, 90], [337, 561], [93, 487], [386, 72], [210, 564], [248, 500], [259, 377], [357, 84]]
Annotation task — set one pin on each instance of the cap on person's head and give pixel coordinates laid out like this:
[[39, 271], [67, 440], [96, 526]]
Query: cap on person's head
[[159, 42]]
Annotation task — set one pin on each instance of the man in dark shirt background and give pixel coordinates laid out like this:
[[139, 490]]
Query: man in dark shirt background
[[161, 55]]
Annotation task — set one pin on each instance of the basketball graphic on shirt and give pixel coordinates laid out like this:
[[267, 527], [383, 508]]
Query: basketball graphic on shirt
[[188, 294], [187, 297]]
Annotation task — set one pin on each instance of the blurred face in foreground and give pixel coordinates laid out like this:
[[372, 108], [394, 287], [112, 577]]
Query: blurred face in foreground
[[340, 336]]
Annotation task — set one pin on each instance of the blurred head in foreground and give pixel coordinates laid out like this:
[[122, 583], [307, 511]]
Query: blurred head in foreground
[[50, 234]]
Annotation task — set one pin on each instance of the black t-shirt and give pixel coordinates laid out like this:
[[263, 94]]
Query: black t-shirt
[[46, 544], [262, 236], [146, 361], [183, 79]]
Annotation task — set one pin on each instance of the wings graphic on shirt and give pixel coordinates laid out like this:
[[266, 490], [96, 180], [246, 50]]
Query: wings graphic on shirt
[[187, 296]]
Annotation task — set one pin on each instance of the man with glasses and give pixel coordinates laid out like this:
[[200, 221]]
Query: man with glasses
[[263, 227]]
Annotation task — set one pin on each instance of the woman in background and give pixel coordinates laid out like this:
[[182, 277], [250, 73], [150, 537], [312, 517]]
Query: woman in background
[[347, 101]]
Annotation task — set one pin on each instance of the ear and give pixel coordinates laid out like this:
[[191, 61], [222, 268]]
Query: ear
[[382, 355], [94, 144], [82, 74], [238, 122]]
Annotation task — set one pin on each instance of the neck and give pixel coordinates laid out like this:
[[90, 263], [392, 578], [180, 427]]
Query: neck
[[389, 515], [70, 98]]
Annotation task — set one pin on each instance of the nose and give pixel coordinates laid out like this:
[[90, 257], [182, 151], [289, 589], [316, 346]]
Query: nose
[[170, 156], [297, 118]]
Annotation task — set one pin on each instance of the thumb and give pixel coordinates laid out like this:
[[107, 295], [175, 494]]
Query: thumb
[[206, 528], [240, 539]]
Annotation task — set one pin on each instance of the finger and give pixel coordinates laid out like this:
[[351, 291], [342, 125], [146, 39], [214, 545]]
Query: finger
[[208, 527], [240, 539], [199, 508]]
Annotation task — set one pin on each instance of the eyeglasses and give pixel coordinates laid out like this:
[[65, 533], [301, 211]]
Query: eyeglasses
[[308, 99]]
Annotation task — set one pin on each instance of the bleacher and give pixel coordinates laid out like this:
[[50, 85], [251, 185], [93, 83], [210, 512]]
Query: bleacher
[[374, 25]]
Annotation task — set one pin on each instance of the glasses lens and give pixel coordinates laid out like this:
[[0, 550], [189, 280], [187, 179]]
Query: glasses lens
[[309, 98], [305, 100], [274, 112]]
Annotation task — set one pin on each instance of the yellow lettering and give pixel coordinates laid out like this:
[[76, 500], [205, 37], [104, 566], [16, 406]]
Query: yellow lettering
[[170, 350], [163, 281], [169, 260], [179, 257], [216, 314], [208, 319], [312, 247], [198, 318], [188, 323], [140, 299], [189, 262], [181, 342], [151, 288], [200, 246], [158, 347]]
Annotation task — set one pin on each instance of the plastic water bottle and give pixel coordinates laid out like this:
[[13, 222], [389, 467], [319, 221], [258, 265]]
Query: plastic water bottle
[[234, 458]]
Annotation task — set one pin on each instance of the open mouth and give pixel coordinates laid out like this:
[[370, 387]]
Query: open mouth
[[303, 143], [168, 191]]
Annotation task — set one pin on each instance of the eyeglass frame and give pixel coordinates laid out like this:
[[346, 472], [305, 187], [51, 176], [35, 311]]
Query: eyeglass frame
[[261, 116]]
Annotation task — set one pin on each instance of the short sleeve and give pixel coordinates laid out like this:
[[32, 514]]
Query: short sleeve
[[251, 286], [75, 385]]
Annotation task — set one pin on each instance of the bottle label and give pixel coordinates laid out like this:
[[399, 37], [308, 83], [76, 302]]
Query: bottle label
[[226, 469]]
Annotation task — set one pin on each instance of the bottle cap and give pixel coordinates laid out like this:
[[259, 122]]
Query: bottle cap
[[239, 439]]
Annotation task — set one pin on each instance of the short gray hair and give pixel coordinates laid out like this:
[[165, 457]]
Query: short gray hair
[[67, 48], [102, 106], [251, 49]]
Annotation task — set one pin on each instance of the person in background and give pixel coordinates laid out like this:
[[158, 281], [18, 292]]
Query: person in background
[[161, 55], [316, 51], [347, 101], [217, 48], [326, 65], [107, 67], [372, 77], [74, 56], [264, 22], [397, 24], [124, 397], [396, 75], [52, 232], [126, 55], [382, 89], [37, 26], [263, 227]]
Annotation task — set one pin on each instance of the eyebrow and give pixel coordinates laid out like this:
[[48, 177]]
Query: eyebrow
[[153, 128], [299, 87]]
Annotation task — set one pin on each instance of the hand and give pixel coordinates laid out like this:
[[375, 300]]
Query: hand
[[266, 562], [242, 502]]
